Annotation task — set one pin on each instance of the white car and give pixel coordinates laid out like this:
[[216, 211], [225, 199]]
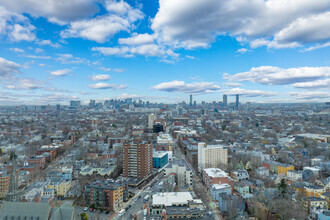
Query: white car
[[86, 208], [122, 212]]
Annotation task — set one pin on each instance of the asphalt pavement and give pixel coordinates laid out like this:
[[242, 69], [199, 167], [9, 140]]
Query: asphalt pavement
[[137, 206], [91, 215]]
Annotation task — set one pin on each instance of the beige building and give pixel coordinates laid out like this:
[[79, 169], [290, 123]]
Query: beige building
[[211, 156], [61, 187], [151, 120], [165, 139], [4, 183], [314, 202]]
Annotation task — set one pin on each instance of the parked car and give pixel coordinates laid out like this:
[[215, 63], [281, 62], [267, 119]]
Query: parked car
[[107, 212], [137, 198], [129, 206], [85, 209], [101, 211], [94, 210], [122, 212], [91, 210]]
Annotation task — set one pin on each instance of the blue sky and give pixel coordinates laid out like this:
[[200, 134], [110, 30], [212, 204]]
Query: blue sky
[[53, 51]]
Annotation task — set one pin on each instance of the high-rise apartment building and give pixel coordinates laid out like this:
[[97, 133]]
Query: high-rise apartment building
[[225, 101], [237, 100], [137, 159], [191, 101], [151, 120], [211, 156]]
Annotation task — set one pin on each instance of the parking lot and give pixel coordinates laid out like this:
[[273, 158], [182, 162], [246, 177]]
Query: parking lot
[[92, 215]]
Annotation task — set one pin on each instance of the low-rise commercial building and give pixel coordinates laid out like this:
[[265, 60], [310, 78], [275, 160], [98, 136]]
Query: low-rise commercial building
[[176, 205], [159, 159], [216, 176]]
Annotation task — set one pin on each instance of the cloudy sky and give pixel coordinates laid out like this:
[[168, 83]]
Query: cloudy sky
[[53, 51]]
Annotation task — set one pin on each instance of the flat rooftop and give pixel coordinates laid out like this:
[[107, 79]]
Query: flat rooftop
[[171, 198], [215, 172]]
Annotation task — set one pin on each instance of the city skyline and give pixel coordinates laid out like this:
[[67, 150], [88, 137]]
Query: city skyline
[[163, 51]]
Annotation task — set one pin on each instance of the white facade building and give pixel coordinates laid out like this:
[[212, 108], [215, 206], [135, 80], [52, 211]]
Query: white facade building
[[211, 156], [182, 171], [151, 120], [294, 175]]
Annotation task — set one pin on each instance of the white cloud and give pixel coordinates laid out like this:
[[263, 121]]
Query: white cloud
[[38, 50], [53, 99], [233, 84], [49, 43], [101, 28], [134, 96], [108, 51], [242, 50], [24, 84], [69, 59], [318, 84], [107, 86], [271, 75], [314, 28], [98, 29], [17, 50], [22, 33], [8, 68], [272, 44], [190, 57], [152, 50], [137, 39], [191, 88], [317, 46], [119, 70], [53, 89], [167, 61], [195, 23], [62, 72], [100, 77], [120, 7], [37, 57], [104, 68], [149, 50], [310, 95], [58, 11], [250, 93]]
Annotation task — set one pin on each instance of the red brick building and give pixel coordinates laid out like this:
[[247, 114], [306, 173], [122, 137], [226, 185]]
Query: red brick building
[[41, 161], [137, 159], [52, 149], [216, 176]]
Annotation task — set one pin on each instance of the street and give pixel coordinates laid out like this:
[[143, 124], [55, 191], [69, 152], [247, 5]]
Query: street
[[202, 192], [137, 206]]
